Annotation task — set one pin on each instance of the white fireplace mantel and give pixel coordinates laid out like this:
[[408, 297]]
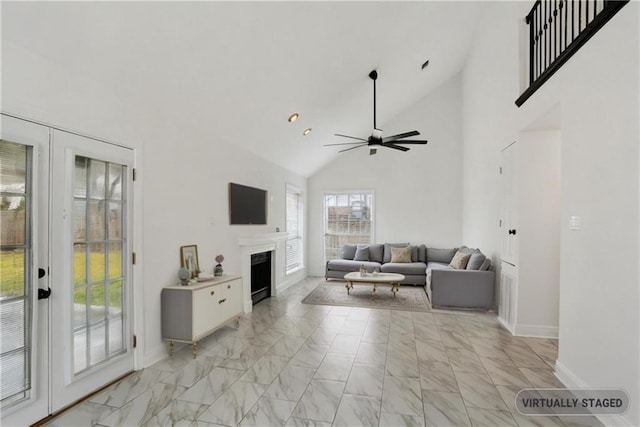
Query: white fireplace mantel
[[262, 242]]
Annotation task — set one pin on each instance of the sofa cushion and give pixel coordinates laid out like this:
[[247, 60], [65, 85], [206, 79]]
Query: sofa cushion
[[431, 265], [362, 253], [401, 255], [350, 265], [406, 268], [387, 250], [376, 252], [460, 260], [476, 260], [440, 255], [414, 254], [486, 265], [348, 251], [422, 253]]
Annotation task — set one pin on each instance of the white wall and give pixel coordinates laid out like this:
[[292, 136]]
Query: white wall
[[183, 177], [417, 193], [597, 91], [538, 231], [189, 205]]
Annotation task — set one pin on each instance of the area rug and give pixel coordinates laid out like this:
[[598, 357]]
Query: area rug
[[410, 298]]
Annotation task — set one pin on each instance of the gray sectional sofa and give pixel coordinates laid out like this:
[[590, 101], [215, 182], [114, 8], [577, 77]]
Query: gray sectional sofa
[[471, 287]]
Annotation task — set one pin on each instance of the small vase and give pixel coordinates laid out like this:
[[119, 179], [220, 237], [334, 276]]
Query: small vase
[[217, 270]]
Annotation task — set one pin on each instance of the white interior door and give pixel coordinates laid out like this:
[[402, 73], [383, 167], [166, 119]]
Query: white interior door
[[91, 265], [24, 351], [508, 226]]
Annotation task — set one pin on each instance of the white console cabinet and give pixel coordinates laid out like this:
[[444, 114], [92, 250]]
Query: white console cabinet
[[190, 313]]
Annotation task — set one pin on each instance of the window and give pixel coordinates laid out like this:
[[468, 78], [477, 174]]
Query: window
[[15, 279], [348, 218], [295, 227]]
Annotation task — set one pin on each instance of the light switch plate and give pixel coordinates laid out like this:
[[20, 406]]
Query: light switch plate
[[575, 223]]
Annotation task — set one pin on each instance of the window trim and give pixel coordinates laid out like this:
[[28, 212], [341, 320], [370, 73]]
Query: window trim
[[299, 191]]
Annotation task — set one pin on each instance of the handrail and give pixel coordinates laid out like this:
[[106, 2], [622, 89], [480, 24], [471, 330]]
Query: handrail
[[557, 30]]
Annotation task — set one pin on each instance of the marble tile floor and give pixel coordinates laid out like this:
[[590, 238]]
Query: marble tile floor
[[291, 364]]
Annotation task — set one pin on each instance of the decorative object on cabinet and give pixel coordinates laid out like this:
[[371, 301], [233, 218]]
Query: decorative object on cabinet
[[191, 313], [189, 259], [217, 270], [184, 275]]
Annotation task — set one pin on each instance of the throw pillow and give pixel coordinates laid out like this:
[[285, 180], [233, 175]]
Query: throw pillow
[[486, 265], [376, 252], [387, 250], [476, 260], [402, 255], [348, 251], [362, 254], [459, 261]]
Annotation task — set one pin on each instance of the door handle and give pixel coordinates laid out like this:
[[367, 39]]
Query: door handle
[[513, 232], [44, 293]]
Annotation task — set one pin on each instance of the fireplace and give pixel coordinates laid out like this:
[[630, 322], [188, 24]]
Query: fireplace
[[260, 276]]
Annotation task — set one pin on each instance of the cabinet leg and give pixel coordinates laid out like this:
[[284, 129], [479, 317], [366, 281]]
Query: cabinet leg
[[171, 344], [195, 349]]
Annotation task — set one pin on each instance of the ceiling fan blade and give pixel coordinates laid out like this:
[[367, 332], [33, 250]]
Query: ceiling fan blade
[[358, 146], [410, 141], [344, 143], [352, 137], [400, 136], [396, 147]]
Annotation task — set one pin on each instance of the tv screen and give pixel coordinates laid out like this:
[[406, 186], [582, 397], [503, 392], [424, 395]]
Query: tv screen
[[247, 205]]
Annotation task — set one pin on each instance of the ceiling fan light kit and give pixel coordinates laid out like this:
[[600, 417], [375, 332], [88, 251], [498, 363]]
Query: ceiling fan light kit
[[376, 138]]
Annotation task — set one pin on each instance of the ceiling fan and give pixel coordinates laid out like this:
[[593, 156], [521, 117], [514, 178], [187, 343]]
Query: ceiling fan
[[376, 138]]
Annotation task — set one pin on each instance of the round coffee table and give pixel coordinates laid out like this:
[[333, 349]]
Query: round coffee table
[[392, 279]]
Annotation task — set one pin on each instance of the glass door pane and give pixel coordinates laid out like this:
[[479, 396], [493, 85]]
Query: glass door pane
[[98, 274], [15, 265]]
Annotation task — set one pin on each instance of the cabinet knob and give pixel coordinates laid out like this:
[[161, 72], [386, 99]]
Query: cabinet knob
[[213, 292], [228, 286], [222, 300]]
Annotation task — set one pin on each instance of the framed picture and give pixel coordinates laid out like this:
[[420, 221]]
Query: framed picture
[[189, 259]]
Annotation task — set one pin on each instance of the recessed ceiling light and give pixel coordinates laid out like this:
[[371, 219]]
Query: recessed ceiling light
[[307, 131], [292, 118]]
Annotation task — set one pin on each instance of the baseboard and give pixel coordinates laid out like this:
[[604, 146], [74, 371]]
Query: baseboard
[[572, 381], [156, 355], [536, 331], [506, 325], [291, 279]]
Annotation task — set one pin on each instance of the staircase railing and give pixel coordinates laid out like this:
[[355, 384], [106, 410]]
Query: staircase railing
[[557, 29]]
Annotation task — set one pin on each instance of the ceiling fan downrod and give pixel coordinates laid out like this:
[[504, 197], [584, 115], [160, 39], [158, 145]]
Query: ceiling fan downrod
[[374, 76]]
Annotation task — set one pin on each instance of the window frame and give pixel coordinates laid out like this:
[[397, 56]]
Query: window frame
[[325, 220], [300, 220]]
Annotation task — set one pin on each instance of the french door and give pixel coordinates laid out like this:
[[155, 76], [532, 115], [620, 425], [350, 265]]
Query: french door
[[82, 243]]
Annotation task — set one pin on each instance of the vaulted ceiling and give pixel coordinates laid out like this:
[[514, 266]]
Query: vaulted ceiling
[[234, 71]]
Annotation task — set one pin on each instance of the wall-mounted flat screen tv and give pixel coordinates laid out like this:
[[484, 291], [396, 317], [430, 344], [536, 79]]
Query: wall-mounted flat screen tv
[[247, 205]]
